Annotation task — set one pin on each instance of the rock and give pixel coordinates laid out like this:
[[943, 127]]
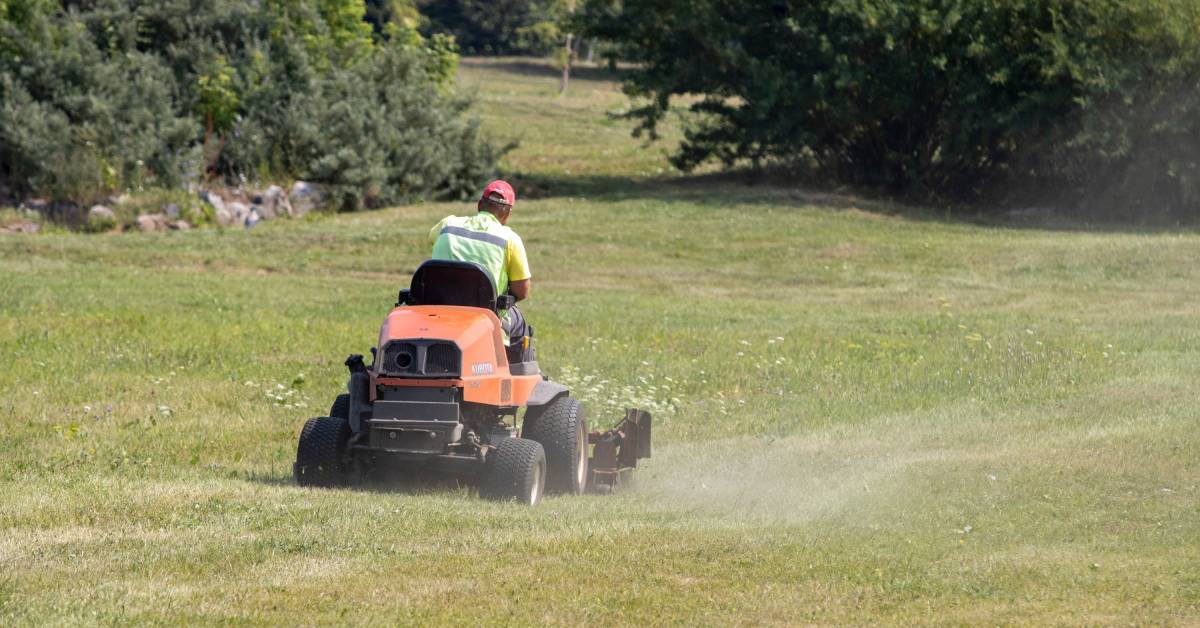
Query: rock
[[56, 211], [305, 197], [171, 211], [100, 218], [212, 199], [101, 213], [253, 219], [239, 212], [24, 226], [65, 211], [36, 204], [275, 203], [224, 214], [151, 222], [180, 225]]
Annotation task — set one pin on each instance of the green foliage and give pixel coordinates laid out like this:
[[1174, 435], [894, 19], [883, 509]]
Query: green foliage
[[928, 96], [77, 121], [120, 96], [387, 17], [363, 131], [216, 99], [491, 27]]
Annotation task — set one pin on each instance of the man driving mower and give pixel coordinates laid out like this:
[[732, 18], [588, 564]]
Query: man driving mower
[[486, 240], [443, 393]]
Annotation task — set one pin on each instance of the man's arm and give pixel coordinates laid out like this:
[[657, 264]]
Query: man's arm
[[519, 277], [520, 289]]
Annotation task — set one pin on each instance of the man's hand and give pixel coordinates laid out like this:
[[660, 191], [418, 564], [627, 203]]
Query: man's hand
[[519, 289]]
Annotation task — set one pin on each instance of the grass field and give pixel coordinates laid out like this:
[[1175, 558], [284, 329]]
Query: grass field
[[863, 415]]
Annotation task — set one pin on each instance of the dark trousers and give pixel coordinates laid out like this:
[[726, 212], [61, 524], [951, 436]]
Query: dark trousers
[[516, 328]]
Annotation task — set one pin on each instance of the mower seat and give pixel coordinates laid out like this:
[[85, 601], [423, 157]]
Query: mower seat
[[448, 282]]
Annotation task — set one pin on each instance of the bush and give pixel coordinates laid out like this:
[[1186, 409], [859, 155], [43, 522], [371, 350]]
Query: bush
[[110, 96], [366, 133], [928, 97], [77, 121]]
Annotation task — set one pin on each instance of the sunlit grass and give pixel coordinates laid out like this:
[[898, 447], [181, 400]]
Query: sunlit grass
[[861, 417]]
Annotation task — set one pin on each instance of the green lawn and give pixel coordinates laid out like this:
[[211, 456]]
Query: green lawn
[[862, 415]]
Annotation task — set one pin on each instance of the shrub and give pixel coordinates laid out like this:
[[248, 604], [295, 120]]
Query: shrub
[[943, 97], [76, 120], [109, 95]]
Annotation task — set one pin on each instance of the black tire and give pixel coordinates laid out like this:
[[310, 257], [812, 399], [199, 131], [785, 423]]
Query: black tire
[[319, 453], [561, 427], [341, 407], [514, 470]]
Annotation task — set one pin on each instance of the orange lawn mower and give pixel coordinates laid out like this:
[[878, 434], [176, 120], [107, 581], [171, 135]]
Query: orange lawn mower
[[442, 396]]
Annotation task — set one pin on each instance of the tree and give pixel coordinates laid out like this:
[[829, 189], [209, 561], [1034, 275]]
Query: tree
[[926, 97], [495, 27]]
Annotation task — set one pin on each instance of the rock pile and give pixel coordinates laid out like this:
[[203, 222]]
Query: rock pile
[[237, 208], [231, 207]]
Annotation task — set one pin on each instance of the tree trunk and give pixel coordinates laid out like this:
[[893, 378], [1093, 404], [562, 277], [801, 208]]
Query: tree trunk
[[569, 48], [211, 168], [566, 75]]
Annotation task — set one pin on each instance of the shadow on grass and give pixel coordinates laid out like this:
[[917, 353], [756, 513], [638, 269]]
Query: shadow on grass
[[726, 190], [715, 190], [543, 69], [391, 483]]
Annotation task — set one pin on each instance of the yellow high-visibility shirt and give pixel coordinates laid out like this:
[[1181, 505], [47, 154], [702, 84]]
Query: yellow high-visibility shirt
[[483, 240]]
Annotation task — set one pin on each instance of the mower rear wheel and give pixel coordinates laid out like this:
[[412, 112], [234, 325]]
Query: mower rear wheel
[[340, 407], [319, 452], [514, 470], [561, 427]]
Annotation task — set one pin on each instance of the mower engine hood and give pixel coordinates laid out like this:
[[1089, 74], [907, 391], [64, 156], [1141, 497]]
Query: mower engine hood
[[472, 328]]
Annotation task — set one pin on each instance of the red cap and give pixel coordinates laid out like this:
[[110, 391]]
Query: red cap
[[500, 190]]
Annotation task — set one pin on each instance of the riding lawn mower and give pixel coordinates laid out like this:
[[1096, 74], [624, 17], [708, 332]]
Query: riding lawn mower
[[442, 395]]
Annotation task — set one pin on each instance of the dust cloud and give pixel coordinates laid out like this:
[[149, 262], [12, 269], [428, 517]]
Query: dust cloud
[[793, 479]]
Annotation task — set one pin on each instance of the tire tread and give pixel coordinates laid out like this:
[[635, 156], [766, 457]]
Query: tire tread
[[319, 452], [509, 469], [557, 426]]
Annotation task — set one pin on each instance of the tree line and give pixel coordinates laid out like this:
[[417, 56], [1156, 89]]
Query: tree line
[[1094, 103], [1090, 103]]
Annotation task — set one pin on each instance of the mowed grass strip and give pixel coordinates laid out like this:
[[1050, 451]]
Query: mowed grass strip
[[862, 417]]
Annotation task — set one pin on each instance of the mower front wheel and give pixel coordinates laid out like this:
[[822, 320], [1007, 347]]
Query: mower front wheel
[[514, 470], [561, 427], [319, 452]]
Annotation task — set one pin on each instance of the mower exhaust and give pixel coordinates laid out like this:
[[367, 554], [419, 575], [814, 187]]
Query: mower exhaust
[[615, 453]]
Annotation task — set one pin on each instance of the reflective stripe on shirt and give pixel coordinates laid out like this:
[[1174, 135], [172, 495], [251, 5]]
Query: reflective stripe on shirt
[[476, 235]]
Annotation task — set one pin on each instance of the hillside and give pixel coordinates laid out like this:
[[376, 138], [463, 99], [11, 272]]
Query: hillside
[[864, 414]]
